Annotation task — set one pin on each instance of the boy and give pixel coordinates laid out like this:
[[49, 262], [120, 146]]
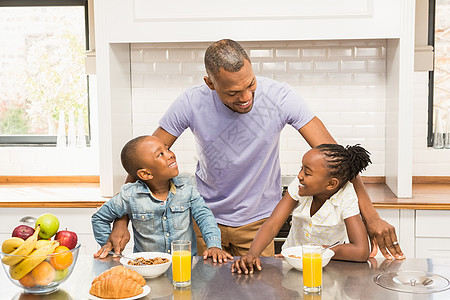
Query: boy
[[160, 204]]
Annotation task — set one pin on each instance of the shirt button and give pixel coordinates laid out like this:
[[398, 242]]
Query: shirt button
[[143, 217], [168, 251], [164, 218], [167, 234], [181, 206]]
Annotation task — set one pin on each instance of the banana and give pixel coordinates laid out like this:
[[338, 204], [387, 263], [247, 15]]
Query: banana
[[41, 243], [11, 244], [35, 258], [19, 254]]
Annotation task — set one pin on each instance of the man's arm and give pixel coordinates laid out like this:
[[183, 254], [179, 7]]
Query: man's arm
[[315, 133], [380, 232], [166, 137]]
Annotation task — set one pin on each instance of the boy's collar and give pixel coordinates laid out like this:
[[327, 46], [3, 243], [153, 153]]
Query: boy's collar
[[172, 188], [174, 183], [177, 181]]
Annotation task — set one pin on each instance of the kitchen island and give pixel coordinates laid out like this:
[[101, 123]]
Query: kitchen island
[[277, 280]]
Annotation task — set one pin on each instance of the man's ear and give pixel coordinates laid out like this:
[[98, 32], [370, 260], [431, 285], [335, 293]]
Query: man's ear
[[332, 184], [144, 174], [209, 82]]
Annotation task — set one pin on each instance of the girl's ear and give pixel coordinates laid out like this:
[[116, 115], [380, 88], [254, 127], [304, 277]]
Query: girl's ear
[[144, 174], [332, 184]]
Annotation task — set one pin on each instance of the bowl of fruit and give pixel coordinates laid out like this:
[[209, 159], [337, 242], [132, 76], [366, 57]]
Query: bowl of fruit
[[35, 262]]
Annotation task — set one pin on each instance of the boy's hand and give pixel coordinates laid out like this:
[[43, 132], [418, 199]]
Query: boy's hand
[[103, 251], [217, 254], [245, 264], [117, 240]]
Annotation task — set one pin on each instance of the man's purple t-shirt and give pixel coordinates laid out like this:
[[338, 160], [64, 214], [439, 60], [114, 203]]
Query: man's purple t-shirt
[[238, 170]]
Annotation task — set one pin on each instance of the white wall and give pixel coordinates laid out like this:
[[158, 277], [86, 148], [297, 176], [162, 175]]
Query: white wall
[[343, 82]]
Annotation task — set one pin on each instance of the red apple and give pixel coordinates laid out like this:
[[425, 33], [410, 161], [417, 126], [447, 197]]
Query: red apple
[[23, 232], [67, 238]]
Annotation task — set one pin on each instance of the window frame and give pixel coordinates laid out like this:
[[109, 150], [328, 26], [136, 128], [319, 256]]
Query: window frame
[[431, 42], [47, 140]]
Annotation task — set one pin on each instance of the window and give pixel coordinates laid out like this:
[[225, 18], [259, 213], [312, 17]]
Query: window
[[42, 72], [439, 93]]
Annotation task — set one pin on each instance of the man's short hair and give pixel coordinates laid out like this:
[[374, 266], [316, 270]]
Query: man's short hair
[[226, 54]]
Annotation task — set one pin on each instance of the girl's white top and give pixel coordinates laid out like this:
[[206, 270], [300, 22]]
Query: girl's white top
[[327, 225]]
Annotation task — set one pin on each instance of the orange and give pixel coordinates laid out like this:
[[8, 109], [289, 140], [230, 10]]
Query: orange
[[62, 258], [27, 280], [43, 273]]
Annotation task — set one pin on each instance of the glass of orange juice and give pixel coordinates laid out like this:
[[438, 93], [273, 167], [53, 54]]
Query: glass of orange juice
[[181, 263], [312, 268]]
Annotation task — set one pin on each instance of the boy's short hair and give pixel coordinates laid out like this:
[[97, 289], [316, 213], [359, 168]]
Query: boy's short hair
[[129, 156]]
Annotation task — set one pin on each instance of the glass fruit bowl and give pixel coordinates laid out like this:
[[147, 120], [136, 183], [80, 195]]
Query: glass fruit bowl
[[39, 273]]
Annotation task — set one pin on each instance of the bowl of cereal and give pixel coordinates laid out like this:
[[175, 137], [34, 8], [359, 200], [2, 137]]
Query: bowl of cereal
[[293, 255], [148, 264]]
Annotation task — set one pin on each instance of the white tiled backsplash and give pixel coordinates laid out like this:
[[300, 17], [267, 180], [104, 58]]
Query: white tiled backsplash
[[343, 82]]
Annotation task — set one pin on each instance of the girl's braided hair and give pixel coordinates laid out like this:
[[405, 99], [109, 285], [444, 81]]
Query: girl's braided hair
[[345, 163]]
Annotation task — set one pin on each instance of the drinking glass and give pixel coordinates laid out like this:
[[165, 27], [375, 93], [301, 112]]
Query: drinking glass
[[180, 293], [438, 134], [447, 131], [181, 263], [312, 268]]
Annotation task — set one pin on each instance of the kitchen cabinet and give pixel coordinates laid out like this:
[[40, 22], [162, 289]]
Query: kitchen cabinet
[[421, 233], [433, 233], [73, 219], [197, 20]]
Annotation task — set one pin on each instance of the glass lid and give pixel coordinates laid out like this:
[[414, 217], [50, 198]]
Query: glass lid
[[412, 281]]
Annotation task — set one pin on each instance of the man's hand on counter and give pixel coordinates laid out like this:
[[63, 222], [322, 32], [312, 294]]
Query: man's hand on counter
[[218, 255], [383, 234]]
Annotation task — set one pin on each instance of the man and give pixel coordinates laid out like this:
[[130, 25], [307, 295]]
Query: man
[[237, 119]]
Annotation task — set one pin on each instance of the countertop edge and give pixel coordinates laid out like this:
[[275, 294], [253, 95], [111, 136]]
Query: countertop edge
[[96, 204]]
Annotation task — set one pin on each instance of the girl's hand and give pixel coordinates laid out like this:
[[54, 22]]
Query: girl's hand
[[245, 264], [218, 255]]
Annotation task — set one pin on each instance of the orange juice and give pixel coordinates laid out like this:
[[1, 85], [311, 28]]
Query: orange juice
[[181, 266], [182, 293], [312, 270]]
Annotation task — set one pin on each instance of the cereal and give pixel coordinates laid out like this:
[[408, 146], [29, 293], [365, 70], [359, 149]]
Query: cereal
[[148, 261], [295, 256]]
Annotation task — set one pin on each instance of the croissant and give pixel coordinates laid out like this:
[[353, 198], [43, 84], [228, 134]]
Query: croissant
[[125, 272], [115, 286]]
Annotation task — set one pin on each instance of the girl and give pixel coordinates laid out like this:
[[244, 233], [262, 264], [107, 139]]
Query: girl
[[323, 204]]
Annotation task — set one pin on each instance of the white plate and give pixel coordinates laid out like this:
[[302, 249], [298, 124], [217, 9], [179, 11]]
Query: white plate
[[143, 294]]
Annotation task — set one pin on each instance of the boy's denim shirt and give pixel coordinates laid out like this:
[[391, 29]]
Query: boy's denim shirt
[[157, 223]]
